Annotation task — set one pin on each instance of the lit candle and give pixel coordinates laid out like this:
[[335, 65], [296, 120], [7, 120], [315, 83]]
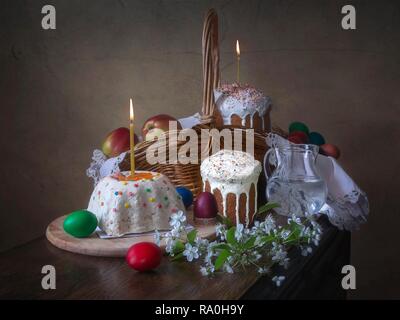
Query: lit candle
[[238, 61], [132, 139]]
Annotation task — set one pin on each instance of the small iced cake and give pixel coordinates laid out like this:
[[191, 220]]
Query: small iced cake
[[144, 202], [232, 177], [242, 106]]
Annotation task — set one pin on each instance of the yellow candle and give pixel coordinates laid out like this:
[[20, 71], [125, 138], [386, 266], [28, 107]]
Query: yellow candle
[[238, 61], [132, 139]]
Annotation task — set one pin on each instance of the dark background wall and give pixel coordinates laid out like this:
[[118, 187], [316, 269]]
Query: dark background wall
[[61, 91]]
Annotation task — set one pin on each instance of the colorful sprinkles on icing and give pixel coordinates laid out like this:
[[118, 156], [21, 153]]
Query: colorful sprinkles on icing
[[242, 101], [128, 206]]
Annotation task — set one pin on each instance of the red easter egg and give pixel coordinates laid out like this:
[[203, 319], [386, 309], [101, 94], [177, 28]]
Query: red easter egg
[[144, 256], [295, 139], [330, 150], [298, 137]]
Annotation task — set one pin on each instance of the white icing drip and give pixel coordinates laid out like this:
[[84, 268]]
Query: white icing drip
[[234, 172], [248, 205], [237, 208], [242, 102]]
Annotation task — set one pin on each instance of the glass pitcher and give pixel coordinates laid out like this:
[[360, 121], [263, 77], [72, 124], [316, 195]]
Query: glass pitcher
[[295, 183]]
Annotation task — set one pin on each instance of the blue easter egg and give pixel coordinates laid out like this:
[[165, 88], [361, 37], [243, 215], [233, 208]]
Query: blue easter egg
[[316, 138], [186, 195]]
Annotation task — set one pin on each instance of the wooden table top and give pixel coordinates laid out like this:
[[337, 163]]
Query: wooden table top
[[87, 277]]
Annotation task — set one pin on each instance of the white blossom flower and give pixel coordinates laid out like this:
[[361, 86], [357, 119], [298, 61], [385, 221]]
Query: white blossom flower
[[208, 256], [157, 237], [204, 271], [228, 268], [177, 219], [207, 269], [285, 234], [263, 270], [176, 231], [305, 232], [256, 255], [305, 250], [278, 253], [239, 232], [285, 263], [191, 252], [201, 242], [220, 231], [269, 224], [278, 280], [294, 219], [170, 243]]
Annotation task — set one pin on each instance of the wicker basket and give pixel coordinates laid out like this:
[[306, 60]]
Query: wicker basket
[[188, 175]]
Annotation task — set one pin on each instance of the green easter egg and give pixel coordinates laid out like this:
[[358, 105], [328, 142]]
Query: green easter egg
[[80, 224], [316, 138], [298, 126]]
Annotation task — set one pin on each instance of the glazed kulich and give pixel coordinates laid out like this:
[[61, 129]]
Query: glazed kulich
[[242, 106], [142, 203], [232, 177]]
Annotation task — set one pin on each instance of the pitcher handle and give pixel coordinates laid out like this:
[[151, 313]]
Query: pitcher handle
[[267, 170]]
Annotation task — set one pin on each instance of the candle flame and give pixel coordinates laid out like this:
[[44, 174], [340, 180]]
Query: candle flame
[[237, 48], [132, 114]]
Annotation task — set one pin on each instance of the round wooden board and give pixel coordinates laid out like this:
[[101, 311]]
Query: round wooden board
[[95, 246]]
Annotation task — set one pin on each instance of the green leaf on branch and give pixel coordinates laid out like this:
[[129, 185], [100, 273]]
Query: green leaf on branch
[[250, 243], [178, 247], [191, 236], [177, 257], [230, 236], [268, 207], [221, 246], [265, 239], [221, 259], [225, 221]]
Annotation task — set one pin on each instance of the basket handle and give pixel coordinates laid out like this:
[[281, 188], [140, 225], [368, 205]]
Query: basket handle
[[211, 73]]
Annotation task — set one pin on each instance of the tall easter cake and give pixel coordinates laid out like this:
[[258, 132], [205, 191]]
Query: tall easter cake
[[232, 177], [242, 106], [144, 202]]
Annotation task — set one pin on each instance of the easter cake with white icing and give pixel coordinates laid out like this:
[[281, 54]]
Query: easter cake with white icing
[[242, 106], [125, 204], [232, 177]]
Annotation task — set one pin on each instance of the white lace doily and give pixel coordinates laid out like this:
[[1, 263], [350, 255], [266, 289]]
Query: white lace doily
[[347, 205], [101, 167]]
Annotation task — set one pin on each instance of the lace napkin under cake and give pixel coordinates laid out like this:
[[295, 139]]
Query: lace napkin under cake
[[347, 205]]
